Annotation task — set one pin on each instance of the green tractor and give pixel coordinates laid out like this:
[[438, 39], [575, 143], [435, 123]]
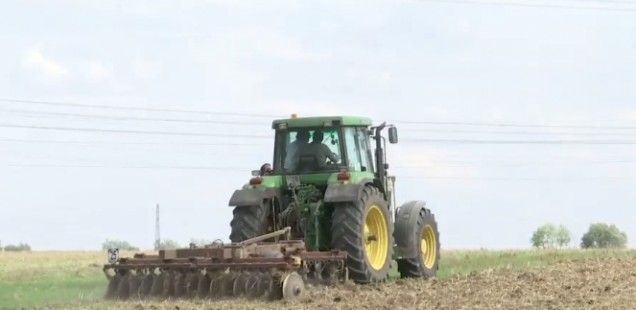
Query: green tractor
[[335, 193]]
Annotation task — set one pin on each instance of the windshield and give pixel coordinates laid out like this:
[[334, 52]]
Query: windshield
[[308, 150]]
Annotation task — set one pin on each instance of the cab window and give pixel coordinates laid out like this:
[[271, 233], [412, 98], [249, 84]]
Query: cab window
[[365, 149], [353, 150], [291, 141]]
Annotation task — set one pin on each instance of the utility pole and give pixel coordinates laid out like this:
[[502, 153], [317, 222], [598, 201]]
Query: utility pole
[[157, 231]]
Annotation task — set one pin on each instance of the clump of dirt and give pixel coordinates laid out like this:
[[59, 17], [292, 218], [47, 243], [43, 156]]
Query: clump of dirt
[[590, 284]]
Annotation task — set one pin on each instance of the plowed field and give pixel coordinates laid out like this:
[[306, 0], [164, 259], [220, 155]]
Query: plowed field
[[554, 281], [598, 284]]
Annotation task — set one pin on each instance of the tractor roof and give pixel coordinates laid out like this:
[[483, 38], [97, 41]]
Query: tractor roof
[[317, 121]]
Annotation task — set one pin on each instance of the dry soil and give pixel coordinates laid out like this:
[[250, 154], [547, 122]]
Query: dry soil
[[589, 284]]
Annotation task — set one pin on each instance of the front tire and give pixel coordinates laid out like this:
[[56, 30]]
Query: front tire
[[354, 225], [416, 227]]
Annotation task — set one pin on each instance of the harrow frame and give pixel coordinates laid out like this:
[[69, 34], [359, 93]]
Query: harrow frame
[[216, 270]]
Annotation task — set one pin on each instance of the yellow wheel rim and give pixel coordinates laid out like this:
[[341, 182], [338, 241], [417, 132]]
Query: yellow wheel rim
[[428, 247], [376, 237]]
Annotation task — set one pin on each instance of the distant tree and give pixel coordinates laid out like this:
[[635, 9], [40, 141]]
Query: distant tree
[[22, 247], [544, 236], [168, 245], [118, 244], [562, 237], [602, 235], [550, 236]]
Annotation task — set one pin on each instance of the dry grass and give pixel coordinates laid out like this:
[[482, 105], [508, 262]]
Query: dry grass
[[469, 280]]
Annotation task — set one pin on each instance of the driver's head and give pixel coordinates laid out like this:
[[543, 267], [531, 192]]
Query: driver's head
[[302, 135], [318, 136], [266, 169]]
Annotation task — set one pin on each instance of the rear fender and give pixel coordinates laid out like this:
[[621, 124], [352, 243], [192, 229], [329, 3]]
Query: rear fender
[[339, 192], [252, 196]]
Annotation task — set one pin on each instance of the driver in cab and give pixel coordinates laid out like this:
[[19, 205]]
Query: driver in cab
[[319, 150]]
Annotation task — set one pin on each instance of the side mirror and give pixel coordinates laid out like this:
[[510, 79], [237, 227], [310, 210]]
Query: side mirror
[[393, 135], [256, 173]]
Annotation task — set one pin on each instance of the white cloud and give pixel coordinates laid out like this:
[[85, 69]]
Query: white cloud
[[35, 60]]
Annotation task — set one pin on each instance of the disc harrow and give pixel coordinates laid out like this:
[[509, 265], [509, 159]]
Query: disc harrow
[[251, 269]]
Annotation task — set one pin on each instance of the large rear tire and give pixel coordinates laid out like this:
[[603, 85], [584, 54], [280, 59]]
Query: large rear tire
[[353, 223], [249, 222], [416, 227]]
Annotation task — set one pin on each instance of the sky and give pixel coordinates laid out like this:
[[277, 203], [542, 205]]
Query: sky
[[514, 74]]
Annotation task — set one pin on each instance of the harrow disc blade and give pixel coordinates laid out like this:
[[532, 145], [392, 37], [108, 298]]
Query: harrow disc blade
[[146, 284], [113, 284], [168, 284], [203, 286], [179, 284], [123, 289], [293, 286], [239, 284], [192, 285], [227, 284], [135, 285], [265, 281], [251, 285], [157, 285], [216, 286]]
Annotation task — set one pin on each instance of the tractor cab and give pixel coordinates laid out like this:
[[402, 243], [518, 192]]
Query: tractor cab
[[321, 150], [322, 145]]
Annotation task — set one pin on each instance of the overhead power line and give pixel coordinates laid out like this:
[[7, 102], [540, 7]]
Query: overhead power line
[[398, 121], [248, 136], [138, 131], [131, 143], [515, 165], [446, 163], [486, 124], [399, 167], [130, 167], [534, 5], [458, 141], [100, 106], [523, 133], [252, 123], [132, 118]]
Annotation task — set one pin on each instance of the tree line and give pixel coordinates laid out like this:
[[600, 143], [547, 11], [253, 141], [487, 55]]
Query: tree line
[[164, 244], [20, 247], [598, 235]]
